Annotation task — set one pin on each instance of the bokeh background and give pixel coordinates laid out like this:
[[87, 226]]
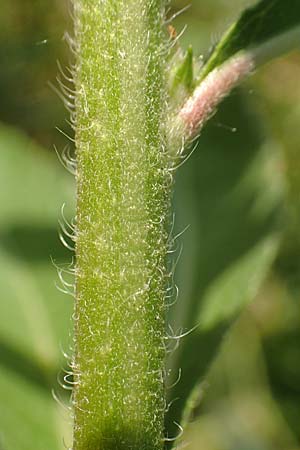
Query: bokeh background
[[241, 185]]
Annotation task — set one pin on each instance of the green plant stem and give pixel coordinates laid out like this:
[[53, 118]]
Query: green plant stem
[[123, 198]]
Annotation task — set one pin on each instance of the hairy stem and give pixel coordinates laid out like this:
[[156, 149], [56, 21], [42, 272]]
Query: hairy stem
[[123, 196]]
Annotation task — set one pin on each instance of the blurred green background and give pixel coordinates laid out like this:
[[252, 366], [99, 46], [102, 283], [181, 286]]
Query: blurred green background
[[239, 194]]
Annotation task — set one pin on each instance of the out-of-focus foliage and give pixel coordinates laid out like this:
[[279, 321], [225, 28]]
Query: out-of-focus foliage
[[234, 191], [232, 208], [274, 315], [34, 325], [32, 39], [251, 398]]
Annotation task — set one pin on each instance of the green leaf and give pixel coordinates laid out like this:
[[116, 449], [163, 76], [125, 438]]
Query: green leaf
[[237, 285], [34, 315], [29, 417], [230, 193], [33, 182], [264, 22], [182, 73]]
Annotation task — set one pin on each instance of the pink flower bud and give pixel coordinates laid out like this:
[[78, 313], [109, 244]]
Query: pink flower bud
[[218, 83]]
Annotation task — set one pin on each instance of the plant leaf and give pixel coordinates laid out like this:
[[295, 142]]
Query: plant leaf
[[34, 315], [182, 72], [28, 414], [257, 25], [230, 194]]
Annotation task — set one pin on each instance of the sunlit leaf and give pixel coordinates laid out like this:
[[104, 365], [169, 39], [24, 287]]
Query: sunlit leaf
[[257, 26]]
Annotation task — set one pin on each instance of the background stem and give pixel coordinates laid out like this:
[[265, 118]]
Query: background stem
[[123, 196]]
